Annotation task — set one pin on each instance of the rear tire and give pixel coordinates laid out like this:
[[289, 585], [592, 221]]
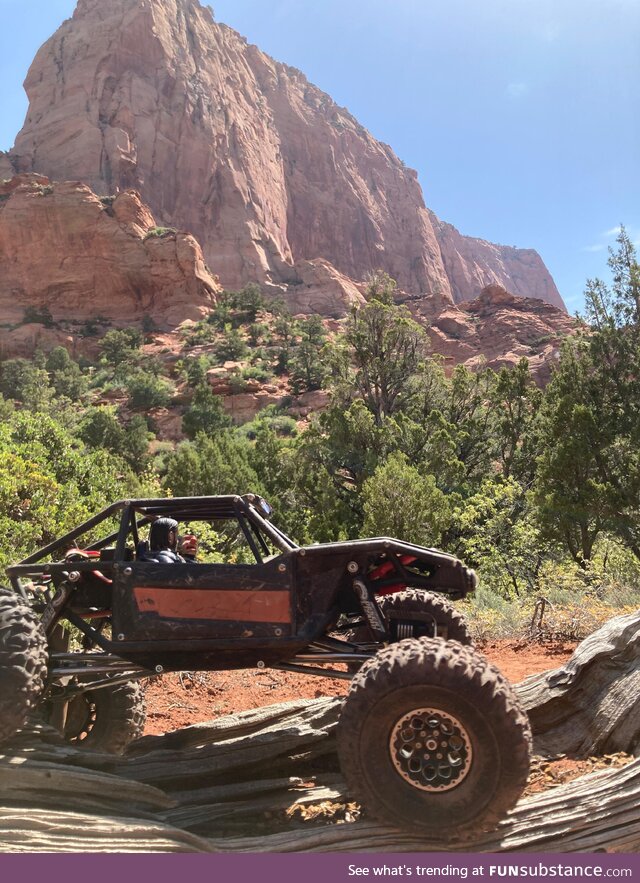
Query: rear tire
[[107, 719], [432, 738], [23, 662]]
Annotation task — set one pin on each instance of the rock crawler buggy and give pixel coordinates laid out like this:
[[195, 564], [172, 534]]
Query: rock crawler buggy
[[430, 737]]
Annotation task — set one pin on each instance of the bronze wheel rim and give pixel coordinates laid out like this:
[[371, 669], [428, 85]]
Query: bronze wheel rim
[[430, 749]]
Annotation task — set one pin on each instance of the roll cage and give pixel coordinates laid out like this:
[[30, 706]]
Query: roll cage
[[249, 511]]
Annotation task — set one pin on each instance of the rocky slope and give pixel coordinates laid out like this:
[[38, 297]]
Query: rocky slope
[[499, 328], [69, 258], [472, 264], [278, 183], [65, 251]]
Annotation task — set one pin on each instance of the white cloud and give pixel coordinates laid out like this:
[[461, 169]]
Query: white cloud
[[517, 89], [612, 232], [597, 247]]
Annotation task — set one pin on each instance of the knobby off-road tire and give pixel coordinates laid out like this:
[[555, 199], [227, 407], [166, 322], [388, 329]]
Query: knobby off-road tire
[[107, 719], [432, 738], [416, 605], [23, 662], [417, 608]]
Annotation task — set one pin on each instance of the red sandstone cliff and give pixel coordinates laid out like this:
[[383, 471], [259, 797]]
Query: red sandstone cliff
[[63, 249], [472, 264], [264, 168], [498, 328]]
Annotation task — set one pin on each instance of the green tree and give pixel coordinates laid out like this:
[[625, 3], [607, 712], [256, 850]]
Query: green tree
[[232, 347], [574, 505], [386, 347], [100, 428], [515, 401], [25, 381], [197, 371], [147, 391], [121, 345], [498, 534], [312, 329], [205, 413], [49, 482], [307, 370], [614, 387], [588, 479], [58, 359], [66, 375], [249, 302], [399, 501], [219, 464]]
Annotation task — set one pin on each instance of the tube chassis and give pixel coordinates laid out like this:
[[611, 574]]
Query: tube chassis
[[277, 611]]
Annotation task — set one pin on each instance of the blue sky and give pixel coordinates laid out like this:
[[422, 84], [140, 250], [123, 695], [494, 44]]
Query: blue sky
[[522, 117]]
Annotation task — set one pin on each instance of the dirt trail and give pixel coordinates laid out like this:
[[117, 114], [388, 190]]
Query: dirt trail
[[175, 701]]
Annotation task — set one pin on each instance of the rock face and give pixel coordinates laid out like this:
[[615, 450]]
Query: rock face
[[64, 250], [262, 167], [473, 264], [6, 166], [499, 328]]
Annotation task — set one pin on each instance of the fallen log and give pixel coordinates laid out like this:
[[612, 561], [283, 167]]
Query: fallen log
[[252, 744], [596, 812], [29, 829], [232, 783], [591, 705]]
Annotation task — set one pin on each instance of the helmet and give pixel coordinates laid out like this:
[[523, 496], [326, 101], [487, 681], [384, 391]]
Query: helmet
[[160, 534]]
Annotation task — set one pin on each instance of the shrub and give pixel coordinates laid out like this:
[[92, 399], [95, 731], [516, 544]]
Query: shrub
[[232, 347], [121, 345], [280, 424], [147, 391], [197, 370], [205, 413], [159, 232], [24, 381], [237, 384], [102, 429], [256, 373], [250, 301], [39, 315]]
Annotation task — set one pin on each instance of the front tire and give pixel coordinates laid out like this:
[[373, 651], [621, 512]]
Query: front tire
[[432, 738], [424, 614], [415, 613], [23, 662]]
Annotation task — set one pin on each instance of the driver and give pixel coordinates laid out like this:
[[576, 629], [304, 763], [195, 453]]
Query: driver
[[163, 542]]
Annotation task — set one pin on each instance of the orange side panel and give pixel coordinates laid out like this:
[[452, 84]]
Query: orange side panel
[[223, 604]]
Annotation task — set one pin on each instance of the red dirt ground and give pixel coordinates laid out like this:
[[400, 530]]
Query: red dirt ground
[[175, 701]]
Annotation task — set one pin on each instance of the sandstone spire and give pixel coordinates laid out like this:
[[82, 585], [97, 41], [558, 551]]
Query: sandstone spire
[[261, 166]]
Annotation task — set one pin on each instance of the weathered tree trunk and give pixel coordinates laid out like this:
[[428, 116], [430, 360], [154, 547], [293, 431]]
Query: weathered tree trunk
[[592, 704], [107, 812], [226, 785]]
